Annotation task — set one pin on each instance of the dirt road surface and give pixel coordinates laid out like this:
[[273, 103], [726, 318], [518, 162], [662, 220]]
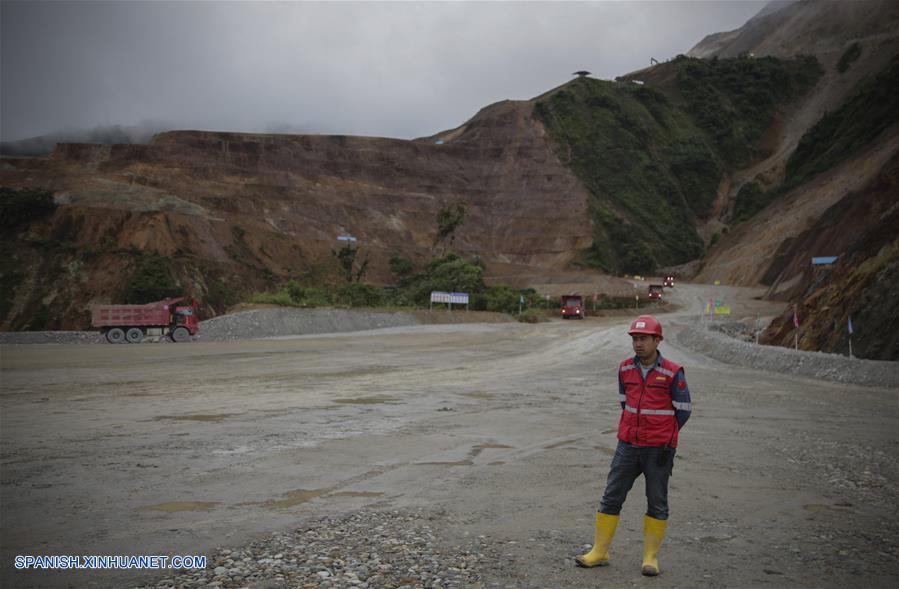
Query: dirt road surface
[[505, 430]]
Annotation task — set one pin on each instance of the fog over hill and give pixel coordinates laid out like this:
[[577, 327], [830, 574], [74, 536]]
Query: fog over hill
[[365, 68]]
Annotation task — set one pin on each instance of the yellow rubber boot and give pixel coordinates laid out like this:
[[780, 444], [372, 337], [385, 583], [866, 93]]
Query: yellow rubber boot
[[653, 534], [599, 554]]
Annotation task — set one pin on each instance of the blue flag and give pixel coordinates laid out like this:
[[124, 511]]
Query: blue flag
[[850, 325]]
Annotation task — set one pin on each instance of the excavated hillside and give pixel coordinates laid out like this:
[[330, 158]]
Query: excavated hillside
[[232, 213], [828, 187]]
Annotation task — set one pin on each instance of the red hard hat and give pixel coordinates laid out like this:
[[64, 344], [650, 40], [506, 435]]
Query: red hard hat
[[646, 324]]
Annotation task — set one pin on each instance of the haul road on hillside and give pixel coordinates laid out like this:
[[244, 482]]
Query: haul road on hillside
[[131, 323]]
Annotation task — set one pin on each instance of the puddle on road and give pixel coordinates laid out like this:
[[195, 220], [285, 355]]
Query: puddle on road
[[179, 506], [197, 417], [822, 508], [355, 494], [373, 400], [293, 498], [299, 496]]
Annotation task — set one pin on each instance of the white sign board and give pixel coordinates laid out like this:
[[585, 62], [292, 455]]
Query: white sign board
[[456, 298]]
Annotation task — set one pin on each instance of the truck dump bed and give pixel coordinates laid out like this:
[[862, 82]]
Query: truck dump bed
[[155, 314]]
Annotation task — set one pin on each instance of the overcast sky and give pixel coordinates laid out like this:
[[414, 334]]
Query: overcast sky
[[394, 69]]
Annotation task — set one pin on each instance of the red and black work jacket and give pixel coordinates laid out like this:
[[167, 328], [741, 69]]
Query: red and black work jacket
[[648, 416]]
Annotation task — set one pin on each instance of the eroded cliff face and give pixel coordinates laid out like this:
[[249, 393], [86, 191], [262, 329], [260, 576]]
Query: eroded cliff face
[[238, 212]]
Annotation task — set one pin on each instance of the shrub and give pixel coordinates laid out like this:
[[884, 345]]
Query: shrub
[[850, 55], [358, 294], [20, 206], [294, 291], [152, 280], [750, 200]]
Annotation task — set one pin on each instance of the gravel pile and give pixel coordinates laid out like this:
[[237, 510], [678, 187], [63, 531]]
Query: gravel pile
[[366, 549], [286, 321], [786, 361]]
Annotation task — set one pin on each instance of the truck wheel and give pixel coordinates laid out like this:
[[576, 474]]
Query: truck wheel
[[115, 335], [180, 334], [134, 335]]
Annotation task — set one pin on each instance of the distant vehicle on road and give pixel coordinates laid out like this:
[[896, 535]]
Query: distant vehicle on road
[[572, 306], [669, 281], [655, 291], [131, 323]]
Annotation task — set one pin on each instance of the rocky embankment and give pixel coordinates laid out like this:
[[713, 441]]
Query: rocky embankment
[[724, 347]]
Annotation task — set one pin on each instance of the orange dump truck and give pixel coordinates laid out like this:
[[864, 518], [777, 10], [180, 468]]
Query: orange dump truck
[[131, 323]]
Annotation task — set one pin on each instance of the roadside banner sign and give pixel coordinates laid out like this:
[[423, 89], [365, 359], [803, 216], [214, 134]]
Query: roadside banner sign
[[457, 298], [450, 298], [722, 310]]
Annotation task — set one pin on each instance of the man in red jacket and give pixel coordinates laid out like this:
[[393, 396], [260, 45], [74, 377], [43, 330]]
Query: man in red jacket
[[655, 403]]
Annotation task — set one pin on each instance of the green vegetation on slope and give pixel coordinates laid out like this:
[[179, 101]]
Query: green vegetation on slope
[[648, 168], [652, 157], [840, 133], [735, 100]]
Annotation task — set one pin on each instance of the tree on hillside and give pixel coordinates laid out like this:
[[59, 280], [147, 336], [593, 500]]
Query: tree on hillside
[[346, 256], [449, 218]]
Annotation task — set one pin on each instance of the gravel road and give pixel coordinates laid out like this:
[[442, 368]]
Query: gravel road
[[467, 455]]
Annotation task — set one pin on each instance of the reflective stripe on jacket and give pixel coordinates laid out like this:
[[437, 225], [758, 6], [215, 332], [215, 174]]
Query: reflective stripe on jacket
[[648, 417]]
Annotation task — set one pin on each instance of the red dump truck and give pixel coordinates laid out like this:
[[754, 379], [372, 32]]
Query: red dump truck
[[572, 306], [131, 323], [655, 291]]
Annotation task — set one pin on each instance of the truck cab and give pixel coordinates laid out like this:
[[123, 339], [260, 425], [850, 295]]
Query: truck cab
[[655, 292], [187, 316]]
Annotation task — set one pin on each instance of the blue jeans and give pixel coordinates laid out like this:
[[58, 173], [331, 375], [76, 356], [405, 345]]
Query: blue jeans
[[630, 462]]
